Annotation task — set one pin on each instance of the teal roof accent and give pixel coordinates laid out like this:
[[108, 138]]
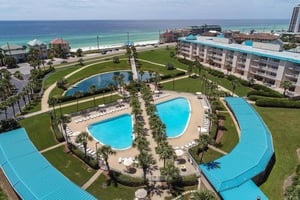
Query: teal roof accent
[[30, 174], [191, 37], [248, 43], [280, 55], [251, 155]]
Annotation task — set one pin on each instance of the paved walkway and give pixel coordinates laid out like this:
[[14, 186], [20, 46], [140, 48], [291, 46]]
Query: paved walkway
[[53, 147], [133, 69], [92, 179]]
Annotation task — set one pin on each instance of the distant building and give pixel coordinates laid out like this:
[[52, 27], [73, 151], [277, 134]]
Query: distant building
[[40, 47], [173, 35], [295, 20], [16, 51], [60, 44], [257, 37], [263, 61]]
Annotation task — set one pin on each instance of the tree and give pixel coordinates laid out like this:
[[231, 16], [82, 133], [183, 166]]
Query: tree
[[3, 106], [228, 68], [80, 61], [116, 60], [170, 172], [251, 81], [10, 61], [63, 120], [111, 88], [50, 63], [141, 72], [234, 84], [205, 195], [92, 90], [165, 151], [105, 151], [83, 139], [190, 70], [11, 101], [203, 142], [157, 78], [172, 54], [285, 85], [145, 160], [77, 95], [79, 52], [1, 57]]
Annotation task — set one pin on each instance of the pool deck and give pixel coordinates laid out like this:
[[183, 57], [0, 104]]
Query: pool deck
[[191, 133]]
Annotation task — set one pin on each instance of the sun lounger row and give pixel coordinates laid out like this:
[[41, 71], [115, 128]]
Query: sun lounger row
[[88, 150], [186, 146], [100, 114]]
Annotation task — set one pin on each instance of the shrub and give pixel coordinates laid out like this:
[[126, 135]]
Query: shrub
[[185, 61], [8, 125], [277, 102], [58, 135], [126, 180], [183, 181], [271, 93], [87, 159]]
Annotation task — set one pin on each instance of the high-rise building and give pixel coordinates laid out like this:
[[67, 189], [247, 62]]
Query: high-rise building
[[295, 20]]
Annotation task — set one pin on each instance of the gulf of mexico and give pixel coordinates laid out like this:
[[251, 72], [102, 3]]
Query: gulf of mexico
[[84, 33]]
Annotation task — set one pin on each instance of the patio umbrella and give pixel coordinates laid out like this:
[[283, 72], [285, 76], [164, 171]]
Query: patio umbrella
[[140, 193], [127, 162], [179, 152]]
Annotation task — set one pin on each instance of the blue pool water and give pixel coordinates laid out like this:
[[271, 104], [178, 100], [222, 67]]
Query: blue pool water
[[115, 132], [101, 81], [175, 114]]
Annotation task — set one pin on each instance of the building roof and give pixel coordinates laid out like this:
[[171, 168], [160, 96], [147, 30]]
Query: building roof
[[244, 162], [59, 41], [8, 47], [30, 174], [35, 42], [191, 37], [281, 55], [255, 36]]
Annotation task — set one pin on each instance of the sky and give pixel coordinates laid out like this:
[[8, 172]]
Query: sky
[[145, 9]]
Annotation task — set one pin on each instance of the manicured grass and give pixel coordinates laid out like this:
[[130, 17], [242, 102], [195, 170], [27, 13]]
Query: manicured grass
[[161, 56], [97, 69], [209, 155], [70, 166], [230, 136], [184, 85], [156, 68], [39, 132], [59, 74], [284, 126], [106, 190]]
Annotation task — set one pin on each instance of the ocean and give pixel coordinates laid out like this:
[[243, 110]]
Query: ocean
[[88, 34]]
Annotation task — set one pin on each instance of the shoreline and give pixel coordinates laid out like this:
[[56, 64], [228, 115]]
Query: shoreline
[[112, 46]]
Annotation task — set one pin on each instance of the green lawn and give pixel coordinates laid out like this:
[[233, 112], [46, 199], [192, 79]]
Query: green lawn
[[71, 167], [106, 190], [156, 68], [161, 56], [39, 132], [184, 85], [284, 125], [230, 136]]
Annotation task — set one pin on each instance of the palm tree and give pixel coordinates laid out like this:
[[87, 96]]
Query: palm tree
[[50, 63], [234, 84], [251, 81], [111, 87], [165, 151], [3, 106], [205, 195], [170, 172], [77, 95], [11, 101], [52, 101], [92, 90], [83, 139], [80, 61], [228, 68], [285, 85], [141, 74], [157, 78], [141, 143], [1, 57], [64, 119], [203, 142], [190, 70], [145, 160], [105, 151]]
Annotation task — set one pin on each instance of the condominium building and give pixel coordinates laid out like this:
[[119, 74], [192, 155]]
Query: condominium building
[[263, 61], [16, 51], [295, 20], [40, 47]]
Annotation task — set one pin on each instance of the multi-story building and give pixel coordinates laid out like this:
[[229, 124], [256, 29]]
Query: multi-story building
[[16, 51], [40, 47], [263, 61], [60, 44], [295, 20]]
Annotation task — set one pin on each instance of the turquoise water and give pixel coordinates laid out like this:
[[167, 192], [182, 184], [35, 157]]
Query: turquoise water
[[101, 81], [175, 114], [115, 132]]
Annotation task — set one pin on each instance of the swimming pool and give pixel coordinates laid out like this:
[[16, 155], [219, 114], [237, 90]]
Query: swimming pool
[[175, 114], [102, 81], [115, 132]]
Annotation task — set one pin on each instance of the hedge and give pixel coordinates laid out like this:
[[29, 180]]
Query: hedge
[[92, 162], [8, 125], [183, 181], [126, 180], [216, 73], [271, 93], [185, 61], [277, 102]]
